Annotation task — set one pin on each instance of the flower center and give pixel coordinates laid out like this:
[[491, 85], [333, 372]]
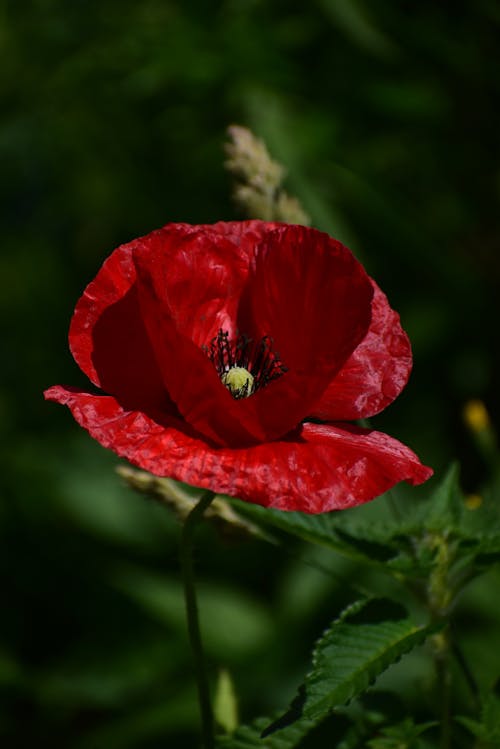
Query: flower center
[[243, 365], [239, 381]]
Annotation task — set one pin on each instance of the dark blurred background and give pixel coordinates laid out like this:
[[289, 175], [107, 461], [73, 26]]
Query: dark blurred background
[[113, 123]]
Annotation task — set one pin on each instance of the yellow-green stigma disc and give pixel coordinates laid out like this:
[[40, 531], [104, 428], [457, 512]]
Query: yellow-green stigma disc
[[238, 381]]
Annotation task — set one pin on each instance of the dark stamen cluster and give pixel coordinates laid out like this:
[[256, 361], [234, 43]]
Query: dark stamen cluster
[[259, 359]]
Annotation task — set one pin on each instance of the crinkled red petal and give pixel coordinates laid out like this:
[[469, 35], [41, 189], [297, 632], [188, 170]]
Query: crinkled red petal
[[312, 296], [107, 335], [302, 288], [187, 293], [108, 338], [244, 234], [375, 373], [317, 469], [197, 279]]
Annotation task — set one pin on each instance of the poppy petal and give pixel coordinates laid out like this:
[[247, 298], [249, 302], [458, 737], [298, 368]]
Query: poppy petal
[[244, 234], [312, 297], [107, 335], [187, 293], [317, 469], [375, 373], [198, 277], [303, 289]]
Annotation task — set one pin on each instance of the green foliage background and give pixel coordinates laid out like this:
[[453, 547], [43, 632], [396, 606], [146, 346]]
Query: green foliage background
[[114, 116]]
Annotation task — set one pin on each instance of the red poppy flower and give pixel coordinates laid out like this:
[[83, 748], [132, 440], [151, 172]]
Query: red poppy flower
[[230, 357]]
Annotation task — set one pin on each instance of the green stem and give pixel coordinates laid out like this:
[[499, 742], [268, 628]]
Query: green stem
[[439, 598], [187, 571], [444, 683], [468, 675]]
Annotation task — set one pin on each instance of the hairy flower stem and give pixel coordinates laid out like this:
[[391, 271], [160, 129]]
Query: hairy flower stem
[[442, 661], [187, 571], [439, 599]]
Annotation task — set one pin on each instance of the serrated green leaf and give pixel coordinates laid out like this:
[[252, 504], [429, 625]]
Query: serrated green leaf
[[404, 547], [479, 553], [445, 506], [476, 728], [250, 737], [490, 716], [314, 528], [326, 530], [403, 735], [357, 648], [359, 534], [488, 728], [447, 511]]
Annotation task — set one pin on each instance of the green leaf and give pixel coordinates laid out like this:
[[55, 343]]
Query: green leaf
[[250, 737], [444, 509], [474, 726], [325, 529], [488, 728], [364, 534], [446, 512], [403, 735], [369, 636], [472, 537], [404, 546]]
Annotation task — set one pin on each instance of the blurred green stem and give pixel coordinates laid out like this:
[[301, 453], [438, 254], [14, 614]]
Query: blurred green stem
[[187, 571], [442, 660], [468, 675], [439, 597]]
